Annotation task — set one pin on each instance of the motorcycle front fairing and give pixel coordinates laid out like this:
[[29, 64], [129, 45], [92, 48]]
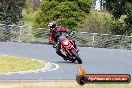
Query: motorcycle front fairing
[[66, 46]]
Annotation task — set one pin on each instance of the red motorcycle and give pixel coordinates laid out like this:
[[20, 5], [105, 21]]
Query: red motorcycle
[[67, 46]]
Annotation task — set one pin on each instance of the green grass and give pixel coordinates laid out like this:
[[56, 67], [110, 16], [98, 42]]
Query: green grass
[[61, 85], [15, 64], [29, 19]]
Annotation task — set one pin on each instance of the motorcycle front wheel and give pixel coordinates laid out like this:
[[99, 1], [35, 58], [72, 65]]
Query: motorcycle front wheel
[[70, 59], [76, 56]]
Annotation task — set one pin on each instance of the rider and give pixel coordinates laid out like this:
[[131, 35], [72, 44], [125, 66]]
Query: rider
[[55, 32]]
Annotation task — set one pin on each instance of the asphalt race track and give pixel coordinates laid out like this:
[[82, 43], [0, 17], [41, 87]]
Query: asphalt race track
[[95, 60]]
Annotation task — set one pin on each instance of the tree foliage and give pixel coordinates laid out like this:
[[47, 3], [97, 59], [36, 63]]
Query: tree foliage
[[118, 8], [66, 12], [10, 10], [10, 13], [97, 22]]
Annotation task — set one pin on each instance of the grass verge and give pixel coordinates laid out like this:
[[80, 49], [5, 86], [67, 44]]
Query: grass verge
[[61, 84], [15, 64]]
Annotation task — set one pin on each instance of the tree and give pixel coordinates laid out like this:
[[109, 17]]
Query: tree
[[11, 11], [93, 5], [102, 6], [66, 12], [1, 9], [118, 8], [128, 20]]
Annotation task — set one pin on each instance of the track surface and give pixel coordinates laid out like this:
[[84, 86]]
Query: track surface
[[95, 60]]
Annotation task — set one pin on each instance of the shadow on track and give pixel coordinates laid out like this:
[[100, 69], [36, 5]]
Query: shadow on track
[[66, 62]]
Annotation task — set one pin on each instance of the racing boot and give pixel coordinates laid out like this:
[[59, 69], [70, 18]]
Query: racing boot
[[65, 58], [55, 45]]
